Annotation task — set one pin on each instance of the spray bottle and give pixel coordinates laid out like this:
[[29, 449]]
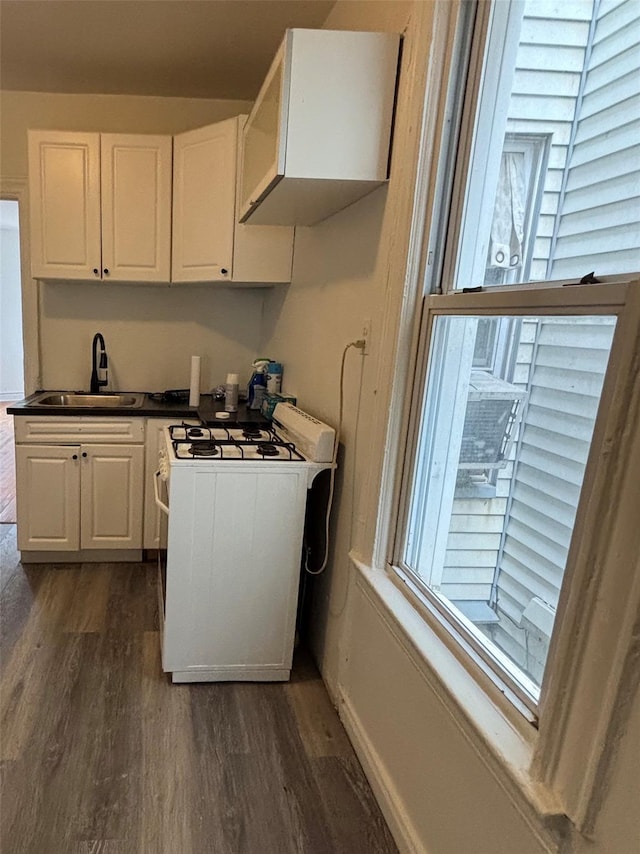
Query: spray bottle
[[257, 384]]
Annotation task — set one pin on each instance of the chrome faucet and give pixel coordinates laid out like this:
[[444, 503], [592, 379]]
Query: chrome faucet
[[98, 370]]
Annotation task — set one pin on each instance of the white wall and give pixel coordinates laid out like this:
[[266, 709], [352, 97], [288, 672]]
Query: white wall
[[437, 790], [11, 356], [151, 332]]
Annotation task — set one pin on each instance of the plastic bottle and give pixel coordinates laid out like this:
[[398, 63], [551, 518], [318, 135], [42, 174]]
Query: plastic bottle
[[257, 384], [274, 377], [231, 393]]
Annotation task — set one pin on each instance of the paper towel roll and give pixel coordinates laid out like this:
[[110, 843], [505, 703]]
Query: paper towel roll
[[194, 385]]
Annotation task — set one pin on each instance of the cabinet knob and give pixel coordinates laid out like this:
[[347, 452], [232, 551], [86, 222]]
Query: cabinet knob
[[74, 457], [105, 271], [224, 271], [84, 453], [96, 272]]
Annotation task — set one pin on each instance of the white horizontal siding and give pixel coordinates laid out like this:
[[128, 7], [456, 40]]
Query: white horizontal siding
[[625, 137], [599, 223], [606, 263], [528, 83], [614, 91], [563, 10], [546, 85], [625, 236], [589, 219], [615, 18], [475, 592], [621, 40], [570, 59], [542, 107], [566, 381], [625, 62], [569, 34], [607, 192], [608, 121]]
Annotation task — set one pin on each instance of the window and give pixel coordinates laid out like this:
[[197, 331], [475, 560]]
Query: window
[[514, 383]]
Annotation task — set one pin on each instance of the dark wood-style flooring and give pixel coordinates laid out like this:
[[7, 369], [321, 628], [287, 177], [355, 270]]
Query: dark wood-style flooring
[[99, 752]]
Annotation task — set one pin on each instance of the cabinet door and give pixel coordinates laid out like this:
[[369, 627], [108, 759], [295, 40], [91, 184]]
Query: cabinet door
[[112, 493], [264, 133], [204, 177], [48, 497], [261, 253], [64, 185], [136, 207]]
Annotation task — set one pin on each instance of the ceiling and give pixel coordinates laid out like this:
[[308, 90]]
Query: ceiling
[[181, 48]]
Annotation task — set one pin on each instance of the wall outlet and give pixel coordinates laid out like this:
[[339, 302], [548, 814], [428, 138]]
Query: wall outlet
[[366, 333]]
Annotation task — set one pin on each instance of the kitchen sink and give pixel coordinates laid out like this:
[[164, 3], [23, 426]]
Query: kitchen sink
[[90, 401]]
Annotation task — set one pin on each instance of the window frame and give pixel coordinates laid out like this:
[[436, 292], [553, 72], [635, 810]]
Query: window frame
[[560, 768], [541, 300]]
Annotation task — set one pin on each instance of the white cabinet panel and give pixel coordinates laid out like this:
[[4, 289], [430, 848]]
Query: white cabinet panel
[[48, 488], [203, 200], [64, 184], [233, 573], [136, 207], [112, 490], [79, 428]]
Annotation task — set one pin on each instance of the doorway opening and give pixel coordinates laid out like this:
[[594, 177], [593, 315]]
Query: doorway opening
[[11, 343], [12, 385]]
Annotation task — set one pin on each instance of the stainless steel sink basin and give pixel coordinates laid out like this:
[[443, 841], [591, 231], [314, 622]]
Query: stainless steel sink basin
[[90, 401]]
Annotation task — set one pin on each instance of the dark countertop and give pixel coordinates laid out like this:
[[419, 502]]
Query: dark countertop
[[150, 409]]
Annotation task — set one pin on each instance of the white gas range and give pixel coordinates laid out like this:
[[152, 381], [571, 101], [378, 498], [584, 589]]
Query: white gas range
[[236, 499]]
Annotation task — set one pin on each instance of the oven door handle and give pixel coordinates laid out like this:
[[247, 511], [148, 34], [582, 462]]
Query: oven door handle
[[160, 503]]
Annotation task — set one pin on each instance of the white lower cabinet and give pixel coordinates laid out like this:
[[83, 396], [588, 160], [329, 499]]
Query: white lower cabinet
[[81, 495], [48, 497], [111, 495]]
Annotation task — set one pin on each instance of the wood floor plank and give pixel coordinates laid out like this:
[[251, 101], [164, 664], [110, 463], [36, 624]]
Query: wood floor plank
[[18, 588], [88, 608], [354, 820], [167, 813], [320, 729], [32, 663], [272, 786]]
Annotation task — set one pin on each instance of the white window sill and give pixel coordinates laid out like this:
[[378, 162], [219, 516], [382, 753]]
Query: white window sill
[[502, 738]]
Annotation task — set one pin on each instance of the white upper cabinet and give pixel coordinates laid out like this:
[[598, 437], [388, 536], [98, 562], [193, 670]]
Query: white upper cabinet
[[319, 133], [64, 185], [100, 206], [209, 245], [136, 207], [204, 168]]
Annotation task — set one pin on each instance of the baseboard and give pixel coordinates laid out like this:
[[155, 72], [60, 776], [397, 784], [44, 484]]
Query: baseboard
[[389, 801], [82, 556]]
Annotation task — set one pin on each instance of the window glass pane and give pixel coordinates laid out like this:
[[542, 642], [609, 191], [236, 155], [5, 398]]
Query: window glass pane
[[498, 473], [554, 180]]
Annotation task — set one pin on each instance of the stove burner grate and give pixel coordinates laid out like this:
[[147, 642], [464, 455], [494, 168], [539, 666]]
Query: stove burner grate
[[251, 432], [267, 449], [204, 449]]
